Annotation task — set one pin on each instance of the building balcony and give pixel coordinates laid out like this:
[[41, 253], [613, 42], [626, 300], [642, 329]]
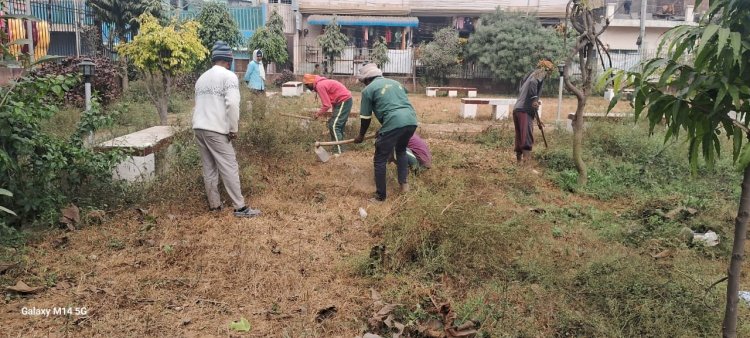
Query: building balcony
[[627, 13]]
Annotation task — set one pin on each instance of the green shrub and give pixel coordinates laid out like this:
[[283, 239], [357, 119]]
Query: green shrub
[[106, 82], [42, 170]]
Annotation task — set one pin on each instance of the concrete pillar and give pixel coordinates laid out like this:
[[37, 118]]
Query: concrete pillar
[[452, 93], [611, 10], [468, 111], [609, 94], [403, 38], [500, 111], [295, 54], [689, 15]]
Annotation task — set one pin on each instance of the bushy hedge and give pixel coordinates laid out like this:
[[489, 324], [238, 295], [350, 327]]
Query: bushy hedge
[[106, 81]]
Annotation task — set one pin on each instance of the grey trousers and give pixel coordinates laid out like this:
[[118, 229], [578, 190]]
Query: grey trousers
[[219, 159]]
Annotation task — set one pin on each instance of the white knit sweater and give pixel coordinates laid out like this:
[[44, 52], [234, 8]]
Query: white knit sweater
[[217, 101]]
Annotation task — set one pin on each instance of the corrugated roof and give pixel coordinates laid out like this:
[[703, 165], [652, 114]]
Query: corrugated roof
[[392, 21]]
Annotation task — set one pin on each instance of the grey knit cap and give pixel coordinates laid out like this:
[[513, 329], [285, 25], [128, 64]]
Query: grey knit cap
[[221, 52], [369, 70]]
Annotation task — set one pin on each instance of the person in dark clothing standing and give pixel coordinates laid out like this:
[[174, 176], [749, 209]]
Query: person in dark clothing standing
[[387, 99], [526, 108]]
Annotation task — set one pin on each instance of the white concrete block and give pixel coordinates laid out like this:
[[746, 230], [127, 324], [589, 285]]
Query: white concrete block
[[609, 94], [453, 93], [500, 111], [431, 92], [292, 88], [472, 93], [468, 111], [136, 168], [148, 149]]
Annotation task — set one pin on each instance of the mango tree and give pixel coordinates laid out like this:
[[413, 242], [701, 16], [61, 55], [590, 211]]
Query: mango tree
[[163, 52], [701, 89], [271, 40], [333, 43], [587, 47], [379, 53]]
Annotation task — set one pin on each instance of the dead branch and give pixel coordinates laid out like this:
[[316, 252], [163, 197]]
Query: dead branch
[[604, 28], [215, 302], [705, 295], [609, 57]]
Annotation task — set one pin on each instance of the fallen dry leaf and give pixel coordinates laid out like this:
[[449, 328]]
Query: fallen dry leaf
[[325, 313], [386, 310], [392, 324], [371, 335], [62, 285], [5, 267], [663, 254], [466, 329], [70, 216], [274, 246], [376, 298], [537, 210], [432, 329], [21, 287], [59, 242], [672, 214], [96, 216]]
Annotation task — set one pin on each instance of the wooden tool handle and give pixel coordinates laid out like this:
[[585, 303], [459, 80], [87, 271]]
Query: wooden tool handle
[[296, 116], [335, 143]]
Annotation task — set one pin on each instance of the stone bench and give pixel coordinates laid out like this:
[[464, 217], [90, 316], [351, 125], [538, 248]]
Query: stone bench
[[145, 152], [500, 107], [627, 94], [452, 91], [292, 88]]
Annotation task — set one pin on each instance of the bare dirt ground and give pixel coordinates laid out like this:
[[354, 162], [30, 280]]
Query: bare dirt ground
[[182, 271], [195, 271]]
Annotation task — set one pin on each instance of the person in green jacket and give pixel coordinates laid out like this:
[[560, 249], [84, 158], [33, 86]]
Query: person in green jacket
[[387, 99]]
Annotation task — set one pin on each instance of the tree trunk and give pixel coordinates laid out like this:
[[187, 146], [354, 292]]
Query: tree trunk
[[163, 106], [124, 69], [578, 142], [729, 327], [588, 74]]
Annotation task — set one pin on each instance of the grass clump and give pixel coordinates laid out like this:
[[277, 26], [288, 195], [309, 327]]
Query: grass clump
[[632, 297], [444, 229]]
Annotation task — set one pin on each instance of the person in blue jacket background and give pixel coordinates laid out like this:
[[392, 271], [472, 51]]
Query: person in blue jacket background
[[255, 78]]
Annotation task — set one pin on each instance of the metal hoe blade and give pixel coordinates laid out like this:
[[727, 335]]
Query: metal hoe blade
[[323, 155]]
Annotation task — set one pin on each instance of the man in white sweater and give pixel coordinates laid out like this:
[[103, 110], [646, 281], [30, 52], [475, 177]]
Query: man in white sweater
[[215, 122]]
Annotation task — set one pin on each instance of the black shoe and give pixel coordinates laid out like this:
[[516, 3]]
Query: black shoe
[[377, 198], [246, 212]]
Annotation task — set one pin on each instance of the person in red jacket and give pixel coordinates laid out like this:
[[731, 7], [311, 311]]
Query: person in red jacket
[[334, 95]]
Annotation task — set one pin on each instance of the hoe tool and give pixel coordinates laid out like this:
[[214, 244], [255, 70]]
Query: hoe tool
[[324, 156]]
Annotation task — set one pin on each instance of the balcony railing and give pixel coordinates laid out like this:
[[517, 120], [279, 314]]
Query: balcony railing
[[655, 10]]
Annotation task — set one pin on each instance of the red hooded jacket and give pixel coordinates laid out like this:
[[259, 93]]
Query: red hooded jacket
[[331, 92]]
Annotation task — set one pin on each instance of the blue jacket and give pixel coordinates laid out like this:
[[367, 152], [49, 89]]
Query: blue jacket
[[252, 76]]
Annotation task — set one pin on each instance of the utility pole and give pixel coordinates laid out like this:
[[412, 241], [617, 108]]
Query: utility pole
[[29, 32], [77, 23], [642, 36]]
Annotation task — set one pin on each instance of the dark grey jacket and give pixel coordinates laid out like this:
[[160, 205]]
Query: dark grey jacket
[[529, 91]]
